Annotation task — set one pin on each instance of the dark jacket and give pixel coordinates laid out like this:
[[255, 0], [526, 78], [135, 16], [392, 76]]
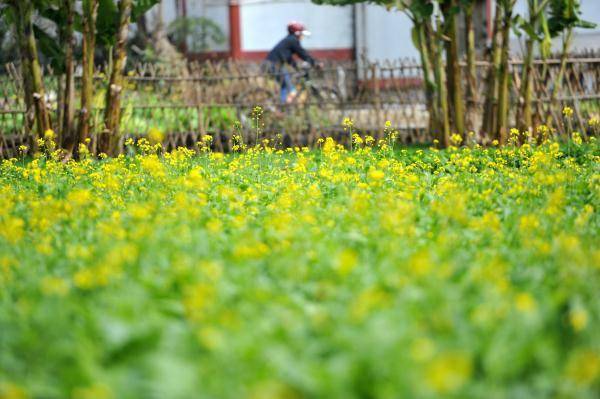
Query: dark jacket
[[283, 52]]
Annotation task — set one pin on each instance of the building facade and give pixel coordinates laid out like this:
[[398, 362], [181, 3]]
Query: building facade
[[362, 31]]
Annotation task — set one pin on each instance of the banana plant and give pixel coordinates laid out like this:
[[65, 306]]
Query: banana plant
[[471, 72], [428, 42], [450, 10], [108, 137], [435, 26], [67, 38], [428, 37], [101, 22], [59, 48], [89, 17], [536, 30], [565, 15], [430, 34], [56, 43], [495, 114], [128, 10], [21, 13]]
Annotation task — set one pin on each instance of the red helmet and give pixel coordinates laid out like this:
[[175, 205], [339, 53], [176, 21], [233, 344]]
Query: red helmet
[[297, 28]]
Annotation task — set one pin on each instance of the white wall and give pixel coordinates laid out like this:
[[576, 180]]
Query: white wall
[[380, 34], [216, 10], [264, 24], [591, 12], [383, 35]]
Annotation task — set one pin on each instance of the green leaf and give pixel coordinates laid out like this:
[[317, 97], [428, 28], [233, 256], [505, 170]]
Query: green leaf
[[49, 47], [107, 22], [422, 9], [586, 24], [140, 7], [414, 34]]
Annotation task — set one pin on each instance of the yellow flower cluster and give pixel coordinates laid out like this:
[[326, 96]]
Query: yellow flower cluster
[[270, 272]]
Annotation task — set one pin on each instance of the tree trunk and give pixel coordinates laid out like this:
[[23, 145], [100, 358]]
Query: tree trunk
[[558, 81], [428, 75], [442, 94], [490, 105], [472, 95], [503, 87], [453, 71], [68, 112], [563, 64], [90, 14], [525, 111], [32, 73], [25, 76], [112, 114]]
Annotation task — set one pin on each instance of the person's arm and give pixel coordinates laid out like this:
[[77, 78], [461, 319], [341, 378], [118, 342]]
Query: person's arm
[[302, 53]]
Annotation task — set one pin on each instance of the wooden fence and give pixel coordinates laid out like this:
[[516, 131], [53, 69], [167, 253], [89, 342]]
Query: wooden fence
[[219, 98]]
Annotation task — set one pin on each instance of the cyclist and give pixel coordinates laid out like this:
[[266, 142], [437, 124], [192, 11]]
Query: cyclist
[[283, 54]]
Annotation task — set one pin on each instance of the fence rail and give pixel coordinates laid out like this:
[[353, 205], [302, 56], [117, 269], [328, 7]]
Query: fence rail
[[196, 99]]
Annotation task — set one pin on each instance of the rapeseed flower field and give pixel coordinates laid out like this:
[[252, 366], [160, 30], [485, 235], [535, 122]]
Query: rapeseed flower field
[[329, 273]]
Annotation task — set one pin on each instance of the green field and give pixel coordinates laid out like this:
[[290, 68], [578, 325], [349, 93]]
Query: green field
[[371, 273]]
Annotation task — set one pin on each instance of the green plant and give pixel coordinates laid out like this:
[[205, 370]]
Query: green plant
[[197, 34]]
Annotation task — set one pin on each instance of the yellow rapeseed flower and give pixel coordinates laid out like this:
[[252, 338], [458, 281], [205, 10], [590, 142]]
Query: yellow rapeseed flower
[[54, 286], [49, 134], [12, 229], [583, 367], [9, 390], [376, 175], [155, 135], [525, 303], [346, 261], [347, 123], [578, 317], [567, 112], [448, 372], [95, 391], [456, 139]]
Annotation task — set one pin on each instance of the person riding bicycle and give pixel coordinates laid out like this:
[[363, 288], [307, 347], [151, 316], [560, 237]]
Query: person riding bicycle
[[283, 54]]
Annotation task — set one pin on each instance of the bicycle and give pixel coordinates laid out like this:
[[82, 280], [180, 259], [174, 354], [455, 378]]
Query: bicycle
[[310, 91]]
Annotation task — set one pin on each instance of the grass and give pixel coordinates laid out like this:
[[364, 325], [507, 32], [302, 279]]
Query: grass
[[467, 273]]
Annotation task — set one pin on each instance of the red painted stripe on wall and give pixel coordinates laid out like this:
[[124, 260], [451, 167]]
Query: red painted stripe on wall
[[343, 54], [320, 54]]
